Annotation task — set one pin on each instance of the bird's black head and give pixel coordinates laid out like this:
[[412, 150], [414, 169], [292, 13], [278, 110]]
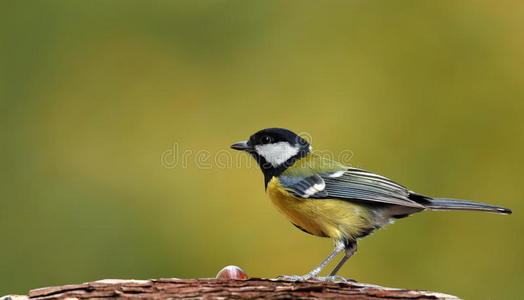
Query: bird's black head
[[275, 149]]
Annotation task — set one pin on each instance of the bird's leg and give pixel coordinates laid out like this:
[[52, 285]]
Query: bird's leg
[[313, 274], [350, 249]]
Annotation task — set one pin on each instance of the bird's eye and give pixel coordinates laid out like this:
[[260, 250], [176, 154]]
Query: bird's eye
[[266, 139]]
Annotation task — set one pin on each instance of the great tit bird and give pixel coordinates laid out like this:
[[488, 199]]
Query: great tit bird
[[328, 199]]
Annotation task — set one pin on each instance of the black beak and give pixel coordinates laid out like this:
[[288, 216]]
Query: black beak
[[242, 146]]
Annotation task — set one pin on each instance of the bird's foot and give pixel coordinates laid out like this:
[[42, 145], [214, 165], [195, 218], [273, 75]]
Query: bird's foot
[[295, 277], [335, 278]]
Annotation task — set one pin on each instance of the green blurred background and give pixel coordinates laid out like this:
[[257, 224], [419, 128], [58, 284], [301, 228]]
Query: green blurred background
[[92, 93]]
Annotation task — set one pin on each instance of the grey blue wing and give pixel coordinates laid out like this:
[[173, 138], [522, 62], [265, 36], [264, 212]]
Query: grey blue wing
[[305, 187], [356, 184], [352, 185]]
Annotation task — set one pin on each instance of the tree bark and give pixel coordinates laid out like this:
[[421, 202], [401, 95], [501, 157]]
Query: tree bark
[[253, 288]]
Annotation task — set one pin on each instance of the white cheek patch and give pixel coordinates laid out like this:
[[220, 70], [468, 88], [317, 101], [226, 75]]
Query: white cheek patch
[[277, 153]]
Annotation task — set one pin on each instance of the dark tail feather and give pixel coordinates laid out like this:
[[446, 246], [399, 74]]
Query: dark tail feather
[[457, 204]]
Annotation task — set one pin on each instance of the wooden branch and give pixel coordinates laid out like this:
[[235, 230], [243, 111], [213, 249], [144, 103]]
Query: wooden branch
[[230, 283], [174, 288]]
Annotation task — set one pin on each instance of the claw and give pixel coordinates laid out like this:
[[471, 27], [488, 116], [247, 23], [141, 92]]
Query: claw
[[335, 278], [294, 277]]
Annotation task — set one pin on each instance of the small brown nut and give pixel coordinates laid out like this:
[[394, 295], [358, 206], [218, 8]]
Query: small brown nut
[[232, 272]]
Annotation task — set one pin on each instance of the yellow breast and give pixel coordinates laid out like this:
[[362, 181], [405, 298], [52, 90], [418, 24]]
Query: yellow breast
[[333, 218]]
